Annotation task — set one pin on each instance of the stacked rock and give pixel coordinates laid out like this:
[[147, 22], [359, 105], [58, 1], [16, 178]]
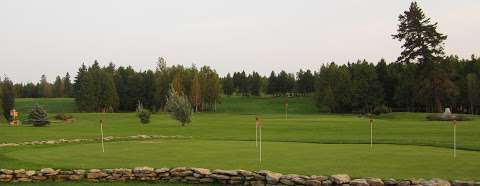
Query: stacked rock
[[206, 176]]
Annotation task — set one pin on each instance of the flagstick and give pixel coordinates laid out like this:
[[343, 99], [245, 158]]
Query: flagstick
[[260, 145], [101, 130]]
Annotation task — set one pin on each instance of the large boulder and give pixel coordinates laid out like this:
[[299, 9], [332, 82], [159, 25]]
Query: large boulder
[[390, 182], [219, 176], [440, 182], [273, 177], [463, 183], [340, 179], [359, 182], [48, 172], [202, 171], [311, 183], [375, 182], [225, 172]]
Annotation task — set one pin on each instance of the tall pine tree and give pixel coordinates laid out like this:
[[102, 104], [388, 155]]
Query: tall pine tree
[[8, 98], [424, 45]]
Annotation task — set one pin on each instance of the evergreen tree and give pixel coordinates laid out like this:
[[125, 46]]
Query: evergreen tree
[[58, 87], [366, 89], [423, 44], [179, 107], [45, 87], [38, 116], [68, 88], [8, 98], [149, 90], [473, 91], [333, 88], [255, 81], [404, 91], [243, 84], [305, 82], [272, 85], [228, 85], [386, 80], [107, 97], [161, 84]]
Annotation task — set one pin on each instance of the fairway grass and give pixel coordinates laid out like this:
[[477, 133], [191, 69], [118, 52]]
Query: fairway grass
[[405, 144], [410, 129], [398, 161]]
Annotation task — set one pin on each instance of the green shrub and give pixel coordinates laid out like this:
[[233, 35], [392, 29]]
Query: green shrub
[[144, 115], [38, 117], [382, 109]]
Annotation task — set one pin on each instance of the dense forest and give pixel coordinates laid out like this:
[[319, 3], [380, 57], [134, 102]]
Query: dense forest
[[341, 88], [422, 79]]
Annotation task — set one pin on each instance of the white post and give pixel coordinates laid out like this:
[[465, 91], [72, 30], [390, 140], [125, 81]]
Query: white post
[[260, 144], [101, 130]]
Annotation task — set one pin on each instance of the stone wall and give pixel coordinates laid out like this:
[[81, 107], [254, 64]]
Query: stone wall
[[206, 176], [106, 138]]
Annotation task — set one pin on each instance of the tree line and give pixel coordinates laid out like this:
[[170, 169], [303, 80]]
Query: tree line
[[61, 87], [122, 89], [362, 86], [281, 84]]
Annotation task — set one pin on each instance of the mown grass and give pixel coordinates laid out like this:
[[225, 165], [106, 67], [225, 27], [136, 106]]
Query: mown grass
[[399, 161], [303, 143], [412, 129]]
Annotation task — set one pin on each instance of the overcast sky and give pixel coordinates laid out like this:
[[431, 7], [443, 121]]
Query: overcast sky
[[53, 37]]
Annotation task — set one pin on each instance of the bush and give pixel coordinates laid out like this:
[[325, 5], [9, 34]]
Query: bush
[[37, 117], [62, 116], [450, 117], [382, 109], [144, 115], [179, 107]]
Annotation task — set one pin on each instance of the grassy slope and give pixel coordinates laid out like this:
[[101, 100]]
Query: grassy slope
[[52, 105]]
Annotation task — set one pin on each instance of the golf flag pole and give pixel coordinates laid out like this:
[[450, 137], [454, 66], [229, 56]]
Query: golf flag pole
[[257, 123], [260, 129], [258, 126], [454, 139]]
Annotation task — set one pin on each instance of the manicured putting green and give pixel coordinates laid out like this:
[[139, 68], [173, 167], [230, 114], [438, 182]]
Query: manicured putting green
[[398, 161]]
